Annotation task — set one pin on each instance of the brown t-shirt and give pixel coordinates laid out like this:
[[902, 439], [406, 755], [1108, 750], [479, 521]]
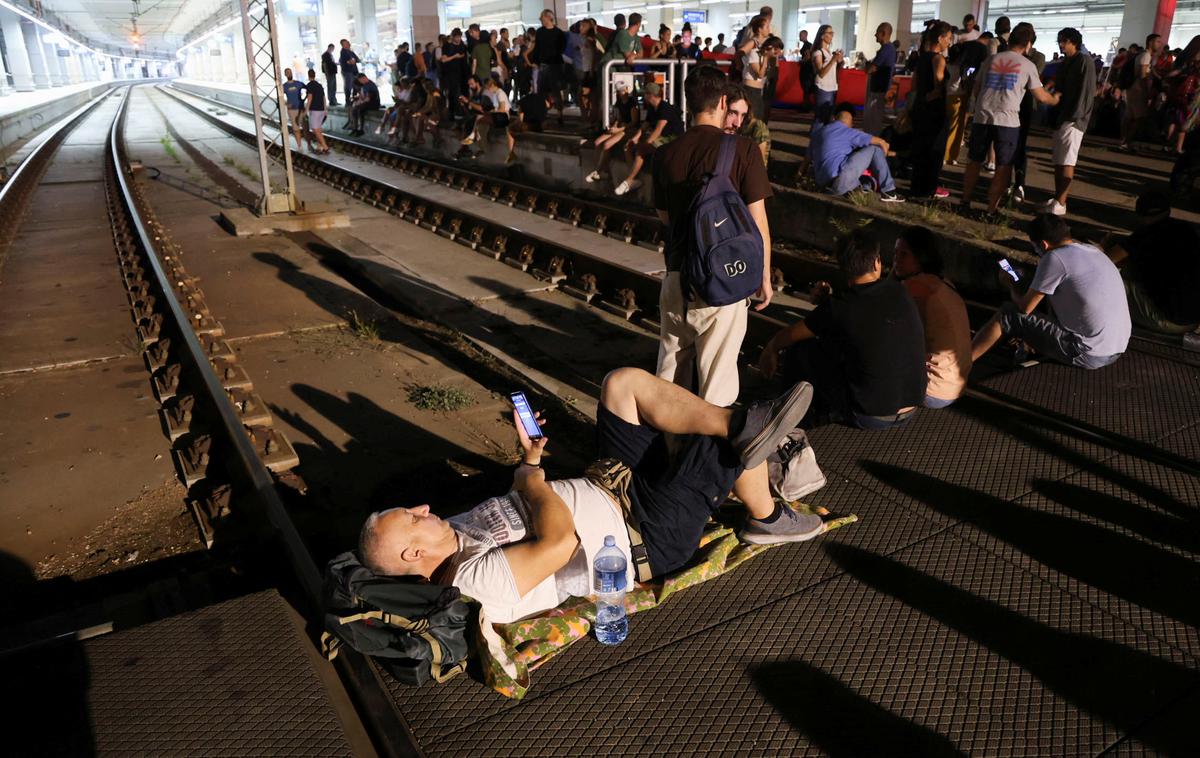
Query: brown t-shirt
[[679, 168]]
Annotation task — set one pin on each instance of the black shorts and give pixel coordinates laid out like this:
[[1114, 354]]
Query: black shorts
[[1003, 138], [672, 501]]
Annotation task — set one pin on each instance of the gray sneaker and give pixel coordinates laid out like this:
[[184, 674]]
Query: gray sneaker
[[789, 527], [767, 422]]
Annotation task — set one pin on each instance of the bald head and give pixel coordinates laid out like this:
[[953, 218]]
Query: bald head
[[405, 541]]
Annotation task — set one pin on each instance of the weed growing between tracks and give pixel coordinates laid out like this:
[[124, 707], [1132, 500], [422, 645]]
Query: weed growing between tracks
[[242, 168], [169, 148], [363, 328], [438, 397]]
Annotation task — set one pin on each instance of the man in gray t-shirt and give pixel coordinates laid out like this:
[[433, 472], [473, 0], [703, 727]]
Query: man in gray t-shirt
[[1090, 327], [1001, 83]]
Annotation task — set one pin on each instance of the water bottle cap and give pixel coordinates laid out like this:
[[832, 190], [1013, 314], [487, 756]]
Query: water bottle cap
[[610, 541]]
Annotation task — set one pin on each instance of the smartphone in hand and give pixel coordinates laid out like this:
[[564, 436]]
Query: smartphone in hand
[[532, 428], [1008, 269]]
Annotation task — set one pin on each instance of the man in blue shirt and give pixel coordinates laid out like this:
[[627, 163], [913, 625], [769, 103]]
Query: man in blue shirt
[[879, 79], [293, 91], [839, 155], [348, 62]]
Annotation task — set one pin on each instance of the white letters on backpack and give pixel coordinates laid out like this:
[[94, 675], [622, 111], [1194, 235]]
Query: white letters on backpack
[[735, 268]]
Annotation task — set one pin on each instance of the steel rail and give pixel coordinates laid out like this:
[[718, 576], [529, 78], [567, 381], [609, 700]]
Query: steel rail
[[389, 727]]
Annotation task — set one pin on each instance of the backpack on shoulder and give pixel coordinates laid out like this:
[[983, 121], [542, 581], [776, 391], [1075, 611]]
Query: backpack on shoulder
[[415, 630], [724, 259], [1128, 73], [792, 470]]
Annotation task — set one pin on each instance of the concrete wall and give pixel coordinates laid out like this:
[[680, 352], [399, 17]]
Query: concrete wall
[[22, 123]]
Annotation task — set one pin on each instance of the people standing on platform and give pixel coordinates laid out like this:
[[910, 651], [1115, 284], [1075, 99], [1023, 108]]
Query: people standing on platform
[[546, 52], [879, 80], [1026, 113], [348, 63], [827, 63], [625, 44], [755, 66], [970, 31], [1004, 78], [315, 105], [962, 74], [699, 343], [1140, 93], [720, 47], [482, 54], [662, 124], [918, 264], [330, 69], [1090, 325], [453, 66], [739, 120], [862, 349], [292, 90], [661, 48], [928, 146], [1076, 85]]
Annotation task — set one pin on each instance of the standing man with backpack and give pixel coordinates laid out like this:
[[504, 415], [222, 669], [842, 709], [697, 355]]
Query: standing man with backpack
[[710, 190]]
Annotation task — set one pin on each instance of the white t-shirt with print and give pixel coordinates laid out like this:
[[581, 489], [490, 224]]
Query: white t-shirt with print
[[749, 77], [481, 570]]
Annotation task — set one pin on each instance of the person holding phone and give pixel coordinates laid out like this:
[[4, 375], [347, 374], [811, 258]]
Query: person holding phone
[[526, 551], [1090, 327], [827, 62]]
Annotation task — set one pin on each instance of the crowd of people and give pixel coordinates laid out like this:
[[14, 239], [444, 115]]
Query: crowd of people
[[887, 343]]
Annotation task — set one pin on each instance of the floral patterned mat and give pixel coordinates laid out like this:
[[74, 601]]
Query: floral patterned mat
[[509, 652]]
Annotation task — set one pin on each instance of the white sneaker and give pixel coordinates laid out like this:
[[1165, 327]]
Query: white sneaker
[[625, 187], [989, 167], [379, 129], [593, 177], [1055, 208]]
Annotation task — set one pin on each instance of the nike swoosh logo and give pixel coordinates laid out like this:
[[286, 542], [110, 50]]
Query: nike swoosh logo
[[722, 221]]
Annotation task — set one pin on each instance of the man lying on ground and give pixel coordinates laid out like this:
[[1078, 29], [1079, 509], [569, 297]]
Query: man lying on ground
[[525, 552], [1090, 327]]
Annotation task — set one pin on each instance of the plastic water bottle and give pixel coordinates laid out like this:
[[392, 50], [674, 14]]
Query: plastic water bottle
[[612, 626]]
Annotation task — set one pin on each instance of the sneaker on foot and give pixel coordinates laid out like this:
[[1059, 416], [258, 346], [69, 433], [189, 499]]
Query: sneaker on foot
[[941, 193], [593, 177], [623, 187], [1019, 194], [890, 197], [989, 166], [469, 139], [790, 526], [1055, 208], [765, 423]]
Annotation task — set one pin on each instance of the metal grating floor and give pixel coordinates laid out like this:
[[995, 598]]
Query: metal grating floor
[[233, 679]]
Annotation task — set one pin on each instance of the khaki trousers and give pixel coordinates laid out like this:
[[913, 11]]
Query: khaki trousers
[[699, 351]]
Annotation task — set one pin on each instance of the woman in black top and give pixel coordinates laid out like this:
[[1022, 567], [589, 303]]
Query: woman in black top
[[929, 111]]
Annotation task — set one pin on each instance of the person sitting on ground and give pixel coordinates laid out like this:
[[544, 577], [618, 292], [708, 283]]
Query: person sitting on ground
[[918, 264], [413, 101], [628, 117], [476, 106], [663, 123], [1160, 265], [429, 115], [739, 120], [840, 154], [531, 117], [863, 349], [1090, 327], [365, 101], [525, 552]]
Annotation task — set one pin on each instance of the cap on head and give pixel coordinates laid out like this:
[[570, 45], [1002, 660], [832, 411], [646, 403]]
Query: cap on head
[[622, 87]]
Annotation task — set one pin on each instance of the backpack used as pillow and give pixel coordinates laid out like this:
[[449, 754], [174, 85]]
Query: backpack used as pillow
[[415, 630], [723, 263], [792, 470]]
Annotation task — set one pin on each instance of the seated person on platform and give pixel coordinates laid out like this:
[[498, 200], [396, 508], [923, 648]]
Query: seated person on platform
[[525, 552], [662, 124], [863, 349], [840, 154], [628, 118], [365, 101], [1160, 263], [531, 115], [918, 264], [1090, 327]]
